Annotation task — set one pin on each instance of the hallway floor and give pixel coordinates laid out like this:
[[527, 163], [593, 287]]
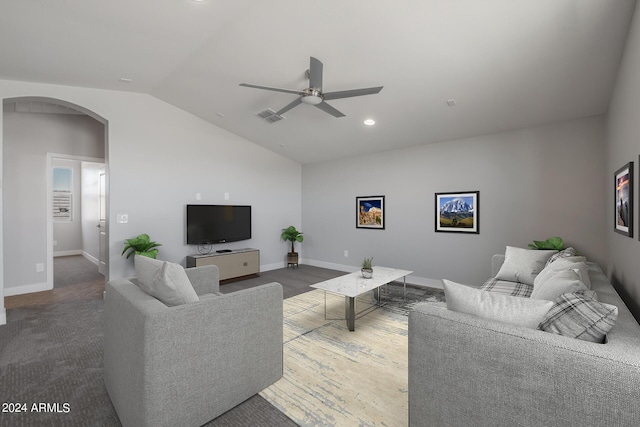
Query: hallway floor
[[75, 278]]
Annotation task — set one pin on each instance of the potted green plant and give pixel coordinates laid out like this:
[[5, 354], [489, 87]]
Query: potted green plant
[[141, 245], [367, 270], [291, 234], [551, 243]]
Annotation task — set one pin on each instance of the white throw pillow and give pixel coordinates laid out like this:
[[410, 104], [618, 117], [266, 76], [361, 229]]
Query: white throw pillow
[[571, 259], [504, 308], [562, 282], [165, 281], [571, 263], [568, 252], [523, 265]]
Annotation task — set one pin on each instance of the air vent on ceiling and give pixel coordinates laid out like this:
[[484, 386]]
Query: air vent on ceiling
[[270, 116]]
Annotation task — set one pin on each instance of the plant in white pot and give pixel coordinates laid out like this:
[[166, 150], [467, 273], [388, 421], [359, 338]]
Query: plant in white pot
[[367, 270], [290, 234]]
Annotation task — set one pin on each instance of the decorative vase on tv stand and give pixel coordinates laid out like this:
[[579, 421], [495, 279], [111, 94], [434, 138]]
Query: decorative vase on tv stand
[[290, 234], [367, 270]]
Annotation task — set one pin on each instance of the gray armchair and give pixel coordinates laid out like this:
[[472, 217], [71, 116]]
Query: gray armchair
[[185, 365]]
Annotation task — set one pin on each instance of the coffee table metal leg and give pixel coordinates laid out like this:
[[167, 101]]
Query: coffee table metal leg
[[404, 289], [350, 312]]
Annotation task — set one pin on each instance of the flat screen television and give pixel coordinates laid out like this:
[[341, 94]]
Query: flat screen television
[[218, 223]]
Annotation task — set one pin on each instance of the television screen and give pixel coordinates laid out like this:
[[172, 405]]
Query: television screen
[[218, 223]]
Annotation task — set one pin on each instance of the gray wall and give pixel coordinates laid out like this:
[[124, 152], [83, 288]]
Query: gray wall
[[623, 145], [27, 138], [534, 183], [159, 157]]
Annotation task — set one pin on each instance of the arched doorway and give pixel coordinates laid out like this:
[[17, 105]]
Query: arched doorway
[[9, 190]]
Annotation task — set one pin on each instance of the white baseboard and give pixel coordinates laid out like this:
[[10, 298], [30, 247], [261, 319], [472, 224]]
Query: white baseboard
[[91, 258], [67, 253], [414, 280], [425, 281], [331, 266], [26, 289], [3, 316]]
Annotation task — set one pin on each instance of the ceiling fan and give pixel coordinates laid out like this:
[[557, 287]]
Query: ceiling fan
[[314, 95]]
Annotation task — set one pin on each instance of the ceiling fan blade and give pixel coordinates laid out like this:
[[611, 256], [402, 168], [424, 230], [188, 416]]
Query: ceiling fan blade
[[329, 109], [276, 89], [315, 74], [289, 106], [353, 92]]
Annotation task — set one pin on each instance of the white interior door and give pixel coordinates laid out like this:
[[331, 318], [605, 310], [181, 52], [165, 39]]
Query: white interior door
[[102, 226]]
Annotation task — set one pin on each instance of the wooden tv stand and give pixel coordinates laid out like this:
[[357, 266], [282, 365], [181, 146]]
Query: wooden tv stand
[[234, 264]]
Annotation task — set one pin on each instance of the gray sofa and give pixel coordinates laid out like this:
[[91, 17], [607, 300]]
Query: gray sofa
[[185, 365], [468, 371]]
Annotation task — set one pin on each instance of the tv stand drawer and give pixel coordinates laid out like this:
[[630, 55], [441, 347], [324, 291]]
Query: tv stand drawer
[[237, 263]]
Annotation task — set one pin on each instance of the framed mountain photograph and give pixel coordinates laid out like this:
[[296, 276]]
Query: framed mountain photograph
[[458, 212], [370, 212], [623, 190]]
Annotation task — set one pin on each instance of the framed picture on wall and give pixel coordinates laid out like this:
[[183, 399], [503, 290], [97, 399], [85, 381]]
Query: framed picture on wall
[[623, 190], [370, 212], [458, 212]]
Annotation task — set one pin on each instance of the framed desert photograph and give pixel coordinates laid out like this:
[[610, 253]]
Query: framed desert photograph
[[623, 222], [370, 212], [458, 212]]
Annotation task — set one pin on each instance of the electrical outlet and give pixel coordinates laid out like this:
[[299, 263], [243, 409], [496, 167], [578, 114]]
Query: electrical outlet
[[346, 253], [39, 268], [122, 218], [198, 196], [55, 243]]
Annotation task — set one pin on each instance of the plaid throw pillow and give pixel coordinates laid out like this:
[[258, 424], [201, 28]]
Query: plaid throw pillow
[[515, 289], [575, 315], [565, 253]]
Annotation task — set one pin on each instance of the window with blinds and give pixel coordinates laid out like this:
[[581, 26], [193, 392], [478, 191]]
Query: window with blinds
[[62, 194]]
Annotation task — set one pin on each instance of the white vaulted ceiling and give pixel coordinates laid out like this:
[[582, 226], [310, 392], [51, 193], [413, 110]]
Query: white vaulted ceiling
[[508, 64]]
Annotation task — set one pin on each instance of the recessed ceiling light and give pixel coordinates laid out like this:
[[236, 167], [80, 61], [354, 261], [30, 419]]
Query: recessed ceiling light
[[451, 102], [369, 122]]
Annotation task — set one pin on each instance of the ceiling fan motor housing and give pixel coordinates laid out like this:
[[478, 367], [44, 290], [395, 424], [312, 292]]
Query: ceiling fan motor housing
[[312, 97]]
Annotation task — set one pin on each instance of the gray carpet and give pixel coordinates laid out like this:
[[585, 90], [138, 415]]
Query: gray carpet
[[53, 354], [294, 280], [73, 269]]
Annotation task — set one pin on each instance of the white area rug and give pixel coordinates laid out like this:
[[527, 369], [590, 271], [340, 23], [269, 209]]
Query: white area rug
[[333, 377]]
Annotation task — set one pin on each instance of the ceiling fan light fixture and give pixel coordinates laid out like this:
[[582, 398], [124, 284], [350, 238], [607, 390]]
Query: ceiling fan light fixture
[[311, 99]]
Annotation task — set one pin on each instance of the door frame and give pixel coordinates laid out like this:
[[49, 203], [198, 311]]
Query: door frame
[[103, 242], [49, 229]]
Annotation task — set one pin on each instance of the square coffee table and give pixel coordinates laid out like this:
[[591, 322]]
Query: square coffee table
[[353, 284]]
